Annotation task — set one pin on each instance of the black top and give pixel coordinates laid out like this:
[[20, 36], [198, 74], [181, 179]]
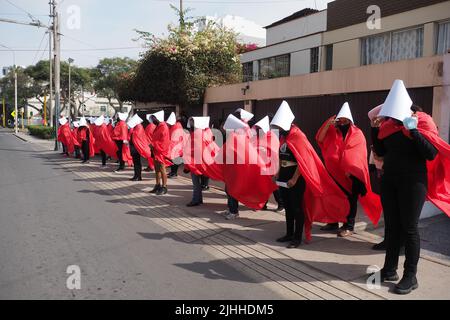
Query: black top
[[286, 154], [403, 155]]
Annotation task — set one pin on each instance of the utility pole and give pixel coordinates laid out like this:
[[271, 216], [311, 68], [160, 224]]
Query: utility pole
[[50, 60], [70, 107], [16, 116], [57, 55]]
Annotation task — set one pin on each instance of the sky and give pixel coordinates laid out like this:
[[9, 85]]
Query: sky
[[105, 28]]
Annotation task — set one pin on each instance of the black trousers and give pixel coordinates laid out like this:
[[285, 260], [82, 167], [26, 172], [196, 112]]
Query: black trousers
[[204, 180], [103, 157], [119, 144], [295, 216], [278, 198], [85, 150], [233, 204], [137, 164], [403, 198], [77, 152], [174, 169]]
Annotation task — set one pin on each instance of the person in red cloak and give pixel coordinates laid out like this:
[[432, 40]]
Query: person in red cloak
[[176, 133], [87, 140], [65, 136], [120, 136], [103, 141], [309, 193], [243, 169], [414, 169], [344, 150], [160, 150], [139, 145], [76, 142], [267, 146], [149, 132], [199, 150]]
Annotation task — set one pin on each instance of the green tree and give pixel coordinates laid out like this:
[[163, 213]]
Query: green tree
[[112, 76], [81, 79], [178, 69], [27, 88]]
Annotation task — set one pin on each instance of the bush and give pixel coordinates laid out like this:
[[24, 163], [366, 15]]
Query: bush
[[42, 132]]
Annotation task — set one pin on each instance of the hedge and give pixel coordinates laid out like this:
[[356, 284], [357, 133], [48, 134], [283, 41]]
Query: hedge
[[42, 132]]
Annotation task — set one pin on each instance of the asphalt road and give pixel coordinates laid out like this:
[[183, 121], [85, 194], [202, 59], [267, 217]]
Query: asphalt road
[[47, 224]]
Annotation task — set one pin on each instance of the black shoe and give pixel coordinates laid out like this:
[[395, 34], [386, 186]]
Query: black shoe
[[279, 208], [389, 276], [286, 238], [161, 191], [406, 285], [380, 246], [204, 188], [294, 244], [136, 179], [156, 188], [119, 169], [193, 204], [148, 169], [330, 227]]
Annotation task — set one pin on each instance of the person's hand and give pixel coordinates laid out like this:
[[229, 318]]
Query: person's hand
[[125, 141], [332, 121], [410, 123], [291, 182]]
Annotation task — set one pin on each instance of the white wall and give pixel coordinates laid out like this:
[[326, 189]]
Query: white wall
[[283, 48], [297, 28], [300, 62]]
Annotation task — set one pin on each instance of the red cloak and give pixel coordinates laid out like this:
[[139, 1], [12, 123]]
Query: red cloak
[[177, 136], [104, 141], [82, 135], [267, 146], [199, 150], [244, 171], [65, 137], [110, 129], [95, 130], [438, 169], [323, 201], [349, 157], [140, 141], [121, 133], [149, 131], [161, 144], [76, 142]]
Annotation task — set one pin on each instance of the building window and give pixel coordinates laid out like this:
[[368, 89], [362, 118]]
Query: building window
[[329, 57], [314, 65], [443, 39], [247, 71], [394, 46], [407, 44], [274, 67], [102, 108]]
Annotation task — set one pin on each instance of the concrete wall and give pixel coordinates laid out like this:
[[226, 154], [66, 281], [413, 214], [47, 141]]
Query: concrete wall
[[346, 40], [417, 73], [297, 28]]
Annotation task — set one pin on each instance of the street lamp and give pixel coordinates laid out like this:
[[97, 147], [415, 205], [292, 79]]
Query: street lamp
[[70, 108], [15, 87]]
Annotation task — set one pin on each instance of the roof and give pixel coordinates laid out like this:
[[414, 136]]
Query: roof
[[299, 14]]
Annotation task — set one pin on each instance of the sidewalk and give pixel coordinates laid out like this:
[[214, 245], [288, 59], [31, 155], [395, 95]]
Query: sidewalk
[[328, 268]]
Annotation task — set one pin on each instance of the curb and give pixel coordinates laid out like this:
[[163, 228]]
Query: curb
[[21, 138]]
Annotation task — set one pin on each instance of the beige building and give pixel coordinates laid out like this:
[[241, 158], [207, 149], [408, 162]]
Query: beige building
[[359, 62]]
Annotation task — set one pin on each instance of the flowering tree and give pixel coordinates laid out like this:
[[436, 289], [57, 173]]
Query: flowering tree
[[177, 69]]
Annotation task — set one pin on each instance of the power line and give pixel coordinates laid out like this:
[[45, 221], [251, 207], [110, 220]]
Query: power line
[[33, 18], [80, 50]]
